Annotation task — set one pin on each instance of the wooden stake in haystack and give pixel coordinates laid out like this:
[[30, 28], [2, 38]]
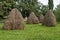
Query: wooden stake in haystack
[[49, 19], [14, 20], [32, 19], [40, 17]]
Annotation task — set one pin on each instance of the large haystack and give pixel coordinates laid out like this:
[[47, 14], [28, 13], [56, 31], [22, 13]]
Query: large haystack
[[49, 19], [14, 21], [40, 17], [32, 19]]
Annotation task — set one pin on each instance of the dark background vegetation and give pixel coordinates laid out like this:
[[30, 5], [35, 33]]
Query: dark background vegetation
[[26, 7]]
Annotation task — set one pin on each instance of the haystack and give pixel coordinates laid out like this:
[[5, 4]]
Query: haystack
[[49, 19], [32, 19], [14, 21], [40, 17]]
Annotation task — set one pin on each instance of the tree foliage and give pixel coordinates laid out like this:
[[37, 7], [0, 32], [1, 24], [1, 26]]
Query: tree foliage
[[57, 12], [25, 6], [6, 6], [44, 9], [50, 3]]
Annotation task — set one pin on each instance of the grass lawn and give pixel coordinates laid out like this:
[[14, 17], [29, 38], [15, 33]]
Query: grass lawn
[[31, 32]]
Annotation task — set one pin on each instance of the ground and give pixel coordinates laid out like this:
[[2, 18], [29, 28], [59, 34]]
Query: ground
[[31, 32]]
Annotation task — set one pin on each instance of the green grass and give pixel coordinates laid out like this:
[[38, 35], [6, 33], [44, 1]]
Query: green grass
[[31, 32]]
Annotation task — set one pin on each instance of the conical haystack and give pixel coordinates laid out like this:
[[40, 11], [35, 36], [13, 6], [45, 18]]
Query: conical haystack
[[32, 19], [49, 19], [40, 17], [14, 21]]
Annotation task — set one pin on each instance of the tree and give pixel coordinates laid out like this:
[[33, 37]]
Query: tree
[[57, 13], [50, 3], [28, 6], [24, 6], [44, 9], [6, 6]]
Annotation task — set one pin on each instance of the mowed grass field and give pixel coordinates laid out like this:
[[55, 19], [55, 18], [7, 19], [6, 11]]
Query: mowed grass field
[[31, 32]]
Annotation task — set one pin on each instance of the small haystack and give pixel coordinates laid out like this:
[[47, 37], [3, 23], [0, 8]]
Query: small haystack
[[40, 17], [49, 19], [32, 19], [14, 21]]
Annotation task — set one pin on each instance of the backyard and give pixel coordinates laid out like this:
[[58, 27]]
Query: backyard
[[31, 32]]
